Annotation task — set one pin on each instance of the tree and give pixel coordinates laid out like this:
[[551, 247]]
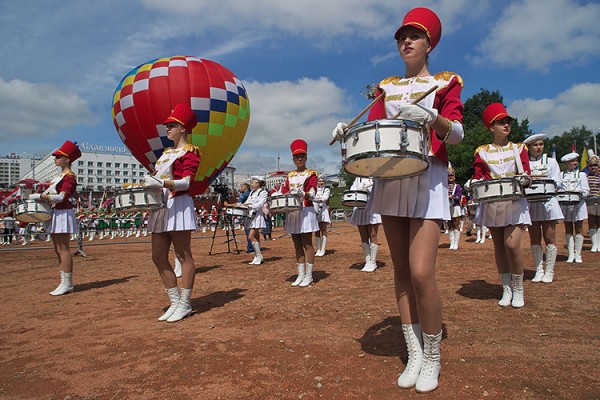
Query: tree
[[578, 137]]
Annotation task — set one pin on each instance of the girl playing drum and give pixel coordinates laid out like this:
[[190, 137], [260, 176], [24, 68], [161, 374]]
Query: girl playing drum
[[367, 223], [412, 208], [175, 172], [454, 196], [321, 203], [504, 218], [576, 183], [544, 214], [594, 201], [63, 222]]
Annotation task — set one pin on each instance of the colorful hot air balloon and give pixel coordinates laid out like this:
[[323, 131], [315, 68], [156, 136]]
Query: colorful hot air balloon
[[146, 95]]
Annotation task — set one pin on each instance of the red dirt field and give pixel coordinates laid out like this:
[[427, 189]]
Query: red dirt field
[[253, 336]]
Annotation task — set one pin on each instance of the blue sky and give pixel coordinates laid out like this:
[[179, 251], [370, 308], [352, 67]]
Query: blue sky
[[303, 63]]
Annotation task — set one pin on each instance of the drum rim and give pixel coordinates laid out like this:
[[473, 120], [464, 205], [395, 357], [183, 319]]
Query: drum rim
[[360, 156], [355, 191], [385, 122]]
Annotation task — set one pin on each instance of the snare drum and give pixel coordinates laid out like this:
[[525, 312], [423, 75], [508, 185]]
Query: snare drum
[[568, 198], [497, 190], [593, 200], [386, 149], [355, 198], [237, 211], [31, 211], [284, 203], [541, 190], [138, 198]]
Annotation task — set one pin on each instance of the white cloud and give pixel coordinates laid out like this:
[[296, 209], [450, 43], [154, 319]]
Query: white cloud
[[33, 111], [538, 33], [574, 107]]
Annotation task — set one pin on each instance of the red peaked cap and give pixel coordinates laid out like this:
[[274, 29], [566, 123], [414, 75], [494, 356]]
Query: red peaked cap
[[184, 115], [299, 146], [69, 150], [494, 112], [425, 20]]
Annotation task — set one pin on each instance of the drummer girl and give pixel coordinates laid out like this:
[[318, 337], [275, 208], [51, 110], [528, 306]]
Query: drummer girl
[[544, 214], [321, 203], [594, 201], [63, 222], [175, 171], [256, 219], [456, 213], [412, 208], [575, 182], [504, 218], [302, 223], [367, 223]]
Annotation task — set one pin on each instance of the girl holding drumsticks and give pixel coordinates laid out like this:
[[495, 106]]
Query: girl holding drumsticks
[[413, 207], [321, 202]]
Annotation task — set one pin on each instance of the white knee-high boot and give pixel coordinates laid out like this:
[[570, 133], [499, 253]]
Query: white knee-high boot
[[414, 347], [184, 307], [518, 299], [570, 247], [371, 265], [258, 258], [323, 246], [318, 246], [173, 294], [507, 292], [578, 246], [478, 231], [451, 237], [301, 271], [538, 263], [367, 254], [484, 231], [177, 270], [66, 284], [456, 238], [594, 238], [551, 251], [308, 277], [430, 370]]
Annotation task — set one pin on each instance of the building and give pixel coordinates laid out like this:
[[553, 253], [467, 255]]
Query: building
[[14, 166], [275, 178]]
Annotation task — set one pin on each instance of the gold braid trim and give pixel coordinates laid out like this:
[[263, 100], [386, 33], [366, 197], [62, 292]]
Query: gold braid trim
[[390, 80], [192, 148], [446, 76]]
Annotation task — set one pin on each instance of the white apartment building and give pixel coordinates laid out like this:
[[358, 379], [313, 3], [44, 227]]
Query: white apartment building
[[13, 166]]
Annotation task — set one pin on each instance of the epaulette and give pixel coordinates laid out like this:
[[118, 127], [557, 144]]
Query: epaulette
[[192, 148], [313, 172], [71, 174], [485, 147], [446, 76], [390, 79]]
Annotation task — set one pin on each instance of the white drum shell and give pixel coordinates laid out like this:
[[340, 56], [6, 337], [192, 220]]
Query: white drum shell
[[568, 198], [541, 190], [355, 198], [139, 199], [31, 211], [237, 211], [386, 149], [284, 203], [497, 190]]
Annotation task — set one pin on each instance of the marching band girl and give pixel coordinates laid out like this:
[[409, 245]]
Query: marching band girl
[[412, 208], [63, 222], [367, 223], [321, 202], [454, 197], [302, 223], [575, 181], [505, 218], [175, 171], [594, 201], [544, 214]]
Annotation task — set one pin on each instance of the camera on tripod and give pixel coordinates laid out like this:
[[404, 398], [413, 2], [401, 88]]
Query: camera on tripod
[[221, 190]]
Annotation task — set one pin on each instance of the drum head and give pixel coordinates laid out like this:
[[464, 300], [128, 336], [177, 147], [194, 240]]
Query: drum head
[[386, 167], [32, 218]]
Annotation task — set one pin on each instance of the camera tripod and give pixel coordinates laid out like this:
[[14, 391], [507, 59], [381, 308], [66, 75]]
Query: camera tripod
[[229, 229]]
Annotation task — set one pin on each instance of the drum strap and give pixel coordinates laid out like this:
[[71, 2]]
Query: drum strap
[[520, 169]]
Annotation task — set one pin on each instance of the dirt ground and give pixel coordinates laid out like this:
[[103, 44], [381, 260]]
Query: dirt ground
[[253, 336]]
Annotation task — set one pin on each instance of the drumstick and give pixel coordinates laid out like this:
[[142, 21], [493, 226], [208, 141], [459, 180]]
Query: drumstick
[[418, 99], [371, 104]]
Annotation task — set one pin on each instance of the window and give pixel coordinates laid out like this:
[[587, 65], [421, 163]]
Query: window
[[117, 165], [90, 163], [99, 180], [90, 179], [125, 165], [99, 164], [108, 180], [80, 171], [117, 172], [90, 172], [108, 172], [99, 172], [117, 180], [108, 165], [125, 173]]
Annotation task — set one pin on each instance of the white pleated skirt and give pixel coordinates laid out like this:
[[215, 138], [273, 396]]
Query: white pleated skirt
[[178, 215], [323, 215], [456, 211], [256, 222], [503, 213], [593, 209], [365, 216], [301, 221], [576, 212], [62, 221], [549, 210], [423, 196]]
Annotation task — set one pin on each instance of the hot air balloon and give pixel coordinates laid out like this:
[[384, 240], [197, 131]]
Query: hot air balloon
[[148, 93]]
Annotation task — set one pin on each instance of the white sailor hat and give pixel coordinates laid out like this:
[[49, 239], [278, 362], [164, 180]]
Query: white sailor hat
[[534, 138], [259, 178], [569, 157]]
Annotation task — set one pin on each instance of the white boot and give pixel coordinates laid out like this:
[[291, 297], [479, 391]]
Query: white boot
[[308, 278], [49, 238], [184, 307], [372, 266], [456, 239], [536, 252], [570, 247], [92, 235], [551, 251], [594, 238], [323, 246], [367, 254], [414, 347], [451, 236], [318, 246], [258, 258], [173, 294], [484, 231], [507, 292], [178, 272], [518, 299], [478, 230], [430, 370], [301, 271], [66, 284], [578, 247]]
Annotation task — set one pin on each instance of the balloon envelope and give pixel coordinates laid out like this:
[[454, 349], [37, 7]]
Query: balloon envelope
[[146, 96]]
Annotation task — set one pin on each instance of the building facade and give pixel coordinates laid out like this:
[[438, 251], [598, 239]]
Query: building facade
[[14, 166]]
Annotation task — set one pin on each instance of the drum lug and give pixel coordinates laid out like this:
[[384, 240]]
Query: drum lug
[[404, 137], [377, 137]]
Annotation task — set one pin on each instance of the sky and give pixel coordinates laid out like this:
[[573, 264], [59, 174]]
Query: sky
[[304, 64]]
